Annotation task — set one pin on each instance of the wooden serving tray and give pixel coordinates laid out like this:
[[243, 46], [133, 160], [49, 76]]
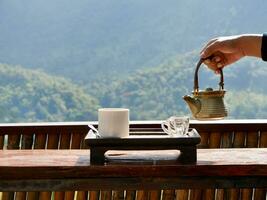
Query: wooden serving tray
[[185, 144]]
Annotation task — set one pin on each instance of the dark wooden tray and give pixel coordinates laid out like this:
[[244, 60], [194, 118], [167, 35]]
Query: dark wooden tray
[[186, 145]]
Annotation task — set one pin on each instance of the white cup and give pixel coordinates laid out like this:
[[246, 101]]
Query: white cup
[[176, 126], [113, 122]]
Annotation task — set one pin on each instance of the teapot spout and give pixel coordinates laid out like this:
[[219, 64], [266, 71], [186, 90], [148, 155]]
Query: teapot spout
[[193, 103]]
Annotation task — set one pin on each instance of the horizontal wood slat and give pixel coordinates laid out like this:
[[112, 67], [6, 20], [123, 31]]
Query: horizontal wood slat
[[69, 135]]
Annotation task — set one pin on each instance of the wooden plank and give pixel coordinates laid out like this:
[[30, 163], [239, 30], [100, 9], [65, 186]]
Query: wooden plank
[[65, 140], [76, 141], [8, 196], [2, 141], [220, 194], [64, 163], [208, 194], [40, 143], [12, 143], [204, 143], [195, 194], [94, 195], [80, 195], [130, 195], [238, 142], [132, 183], [105, 194], [141, 195], [83, 194], [20, 196], [239, 139], [252, 141], [44, 195], [59, 196], [261, 193], [40, 140], [246, 194], [64, 143], [52, 143], [26, 143], [263, 139], [181, 195], [168, 194], [214, 142], [53, 139], [117, 194], [154, 194], [33, 196]]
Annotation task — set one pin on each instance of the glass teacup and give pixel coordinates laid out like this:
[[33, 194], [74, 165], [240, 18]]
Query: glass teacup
[[176, 126]]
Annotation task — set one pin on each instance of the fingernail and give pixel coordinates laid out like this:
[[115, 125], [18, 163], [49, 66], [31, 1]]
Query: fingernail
[[219, 65], [217, 59]]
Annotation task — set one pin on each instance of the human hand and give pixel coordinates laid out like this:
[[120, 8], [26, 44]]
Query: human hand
[[222, 51]]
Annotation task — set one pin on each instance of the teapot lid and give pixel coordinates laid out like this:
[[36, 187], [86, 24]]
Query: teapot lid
[[209, 92]]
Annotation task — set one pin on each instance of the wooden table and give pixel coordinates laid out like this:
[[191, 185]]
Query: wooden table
[[61, 170]]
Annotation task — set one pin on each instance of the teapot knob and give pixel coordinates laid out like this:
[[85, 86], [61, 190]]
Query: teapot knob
[[209, 89]]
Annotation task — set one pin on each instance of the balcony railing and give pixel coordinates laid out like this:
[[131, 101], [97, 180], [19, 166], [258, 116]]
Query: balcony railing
[[70, 135]]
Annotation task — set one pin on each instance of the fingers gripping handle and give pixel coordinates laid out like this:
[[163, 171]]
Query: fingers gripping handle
[[196, 85]]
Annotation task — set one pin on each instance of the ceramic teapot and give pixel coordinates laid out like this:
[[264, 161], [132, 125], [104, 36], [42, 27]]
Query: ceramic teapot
[[207, 104]]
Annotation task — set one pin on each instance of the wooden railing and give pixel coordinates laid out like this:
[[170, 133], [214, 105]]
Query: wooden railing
[[214, 134]]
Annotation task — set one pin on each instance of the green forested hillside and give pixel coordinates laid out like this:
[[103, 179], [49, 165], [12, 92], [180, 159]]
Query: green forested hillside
[[28, 96], [130, 53], [157, 93]]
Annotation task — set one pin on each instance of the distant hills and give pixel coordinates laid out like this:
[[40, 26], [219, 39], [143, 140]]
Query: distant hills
[[157, 93], [83, 39], [77, 56], [28, 96]]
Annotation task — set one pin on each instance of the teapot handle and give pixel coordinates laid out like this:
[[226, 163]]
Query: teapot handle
[[196, 86]]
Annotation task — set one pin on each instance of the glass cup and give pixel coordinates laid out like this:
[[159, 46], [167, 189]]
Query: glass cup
[[176, 126]]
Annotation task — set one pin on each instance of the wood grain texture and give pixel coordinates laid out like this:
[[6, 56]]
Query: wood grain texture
[[94, 195], [64, 143], [2, 141], [118, 194], [76, 141], [12, 143], [81, 195], [106, 195], [26, 143], [68, 163], [261, 193], [181, 195], [154, 194], [40, 143], [142, 195], [252, 141], [243, 126], [214, 142], [168, 194], [130, 195]]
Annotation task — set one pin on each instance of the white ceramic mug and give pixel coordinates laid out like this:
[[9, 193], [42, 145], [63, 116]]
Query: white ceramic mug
[[176, 126], [113, 122]]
